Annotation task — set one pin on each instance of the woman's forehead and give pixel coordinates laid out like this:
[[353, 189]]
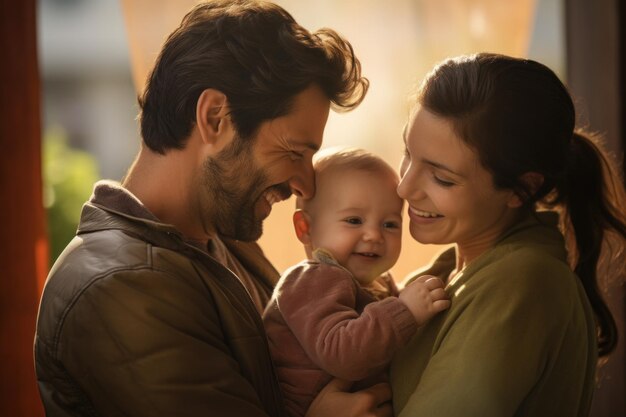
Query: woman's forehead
[[433, 138]]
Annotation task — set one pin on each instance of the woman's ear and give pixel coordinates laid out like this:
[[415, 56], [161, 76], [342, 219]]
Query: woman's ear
[[213, 120], [301, 224], [533, 181]]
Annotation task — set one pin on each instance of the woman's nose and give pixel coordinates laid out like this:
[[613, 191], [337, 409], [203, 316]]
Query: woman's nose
[[409, 187], [402, 189]]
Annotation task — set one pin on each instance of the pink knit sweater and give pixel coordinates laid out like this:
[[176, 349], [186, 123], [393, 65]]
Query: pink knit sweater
[[321, 324]]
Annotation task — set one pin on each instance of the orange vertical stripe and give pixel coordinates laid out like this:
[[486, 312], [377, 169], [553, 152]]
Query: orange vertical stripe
[[22, 234]]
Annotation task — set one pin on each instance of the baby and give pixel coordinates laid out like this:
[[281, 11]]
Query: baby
[[339, 313]]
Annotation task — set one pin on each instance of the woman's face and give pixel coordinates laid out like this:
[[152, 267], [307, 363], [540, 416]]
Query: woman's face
[[450, 194]]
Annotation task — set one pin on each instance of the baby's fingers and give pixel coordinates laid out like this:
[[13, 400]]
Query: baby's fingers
[[438, 294], [433, 283], [441, 305], [424, 278]]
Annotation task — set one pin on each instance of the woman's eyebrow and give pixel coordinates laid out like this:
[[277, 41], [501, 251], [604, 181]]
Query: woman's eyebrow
[[441, 166]]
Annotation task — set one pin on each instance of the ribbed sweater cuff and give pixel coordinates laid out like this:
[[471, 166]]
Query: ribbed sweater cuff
[[404, 325]]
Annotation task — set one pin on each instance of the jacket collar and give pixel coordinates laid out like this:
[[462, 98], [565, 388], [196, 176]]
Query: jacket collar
[[112, 207]]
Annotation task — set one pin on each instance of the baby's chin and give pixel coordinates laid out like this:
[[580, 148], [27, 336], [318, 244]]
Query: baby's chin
[[365, 280]]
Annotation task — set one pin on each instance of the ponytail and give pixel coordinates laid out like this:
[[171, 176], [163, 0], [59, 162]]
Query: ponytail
[[594, 202], [519, 117]]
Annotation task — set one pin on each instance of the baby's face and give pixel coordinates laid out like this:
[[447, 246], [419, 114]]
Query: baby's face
[[357, 216]]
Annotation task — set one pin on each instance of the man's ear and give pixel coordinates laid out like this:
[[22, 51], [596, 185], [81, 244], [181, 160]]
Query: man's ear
[[302, 224], [213, 120], [533, 181]]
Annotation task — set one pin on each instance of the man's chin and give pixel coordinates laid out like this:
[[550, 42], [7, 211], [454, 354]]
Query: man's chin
[[250, 237], [252, 233]]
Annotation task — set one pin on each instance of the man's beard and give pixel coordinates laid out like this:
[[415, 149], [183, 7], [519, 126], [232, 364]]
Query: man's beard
[[234, 185]]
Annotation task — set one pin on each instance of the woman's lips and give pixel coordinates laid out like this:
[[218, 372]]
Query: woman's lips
[[422, 216]]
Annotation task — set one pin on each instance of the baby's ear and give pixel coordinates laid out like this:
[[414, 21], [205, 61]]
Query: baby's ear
[[301, 224]]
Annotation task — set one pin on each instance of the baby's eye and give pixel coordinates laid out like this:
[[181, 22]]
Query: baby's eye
[[353, 220], [391, 225]]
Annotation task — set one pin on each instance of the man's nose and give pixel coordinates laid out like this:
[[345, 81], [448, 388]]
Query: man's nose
[[303, 185]]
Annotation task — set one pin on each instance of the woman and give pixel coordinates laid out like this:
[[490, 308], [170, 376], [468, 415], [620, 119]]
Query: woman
[[491, 146]]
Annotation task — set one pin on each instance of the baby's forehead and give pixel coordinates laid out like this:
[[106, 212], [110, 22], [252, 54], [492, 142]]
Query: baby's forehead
[[336, 171], [328, 175], [354, 184]]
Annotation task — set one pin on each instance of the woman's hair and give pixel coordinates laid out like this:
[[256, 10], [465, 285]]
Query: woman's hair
[[257, 55], [520, 118]]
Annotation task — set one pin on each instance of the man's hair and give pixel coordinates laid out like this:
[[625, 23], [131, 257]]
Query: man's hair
[[257, 55], [340, 161]]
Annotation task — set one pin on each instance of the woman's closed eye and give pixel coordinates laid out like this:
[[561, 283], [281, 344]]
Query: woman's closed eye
[[442, 182]]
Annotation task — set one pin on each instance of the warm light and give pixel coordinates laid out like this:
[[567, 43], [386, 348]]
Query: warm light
[[397, 42], [477, 23], [148, 22]]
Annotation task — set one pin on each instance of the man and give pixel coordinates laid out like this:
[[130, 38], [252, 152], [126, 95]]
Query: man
[[154, 308]]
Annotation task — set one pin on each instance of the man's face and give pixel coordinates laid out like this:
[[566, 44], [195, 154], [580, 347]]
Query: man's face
[[247, 177]]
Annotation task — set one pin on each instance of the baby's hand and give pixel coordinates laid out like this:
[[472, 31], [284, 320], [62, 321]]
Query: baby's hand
[[425, 297]]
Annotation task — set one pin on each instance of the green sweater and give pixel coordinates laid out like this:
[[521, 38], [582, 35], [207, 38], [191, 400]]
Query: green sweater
[[518, 339]]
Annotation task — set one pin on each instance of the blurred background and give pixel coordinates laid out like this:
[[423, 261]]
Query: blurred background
[[95, 55]]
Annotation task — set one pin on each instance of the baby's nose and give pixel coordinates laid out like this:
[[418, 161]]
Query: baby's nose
[[373, 234]]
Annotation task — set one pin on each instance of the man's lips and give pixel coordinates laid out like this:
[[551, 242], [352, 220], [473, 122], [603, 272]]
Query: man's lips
[[272, 197], [276, 193]]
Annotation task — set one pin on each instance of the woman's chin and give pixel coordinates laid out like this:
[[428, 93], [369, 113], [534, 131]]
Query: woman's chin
[[424, 238]]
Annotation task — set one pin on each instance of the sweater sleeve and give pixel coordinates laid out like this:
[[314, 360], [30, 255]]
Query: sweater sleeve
[[495, 345], [317, 302]]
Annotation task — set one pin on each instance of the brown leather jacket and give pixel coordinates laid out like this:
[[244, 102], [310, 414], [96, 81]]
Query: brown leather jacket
[[135, 322]]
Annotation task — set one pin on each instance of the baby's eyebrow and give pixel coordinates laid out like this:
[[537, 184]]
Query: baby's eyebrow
[[350, 209]]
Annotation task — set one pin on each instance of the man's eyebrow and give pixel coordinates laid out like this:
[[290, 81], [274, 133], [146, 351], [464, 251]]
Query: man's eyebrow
[[304, 143], [441, 166]]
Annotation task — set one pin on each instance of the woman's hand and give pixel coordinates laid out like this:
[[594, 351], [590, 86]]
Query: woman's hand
[[335, 400]]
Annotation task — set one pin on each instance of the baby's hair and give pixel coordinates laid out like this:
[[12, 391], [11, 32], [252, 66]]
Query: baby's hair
[[332, 160]]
